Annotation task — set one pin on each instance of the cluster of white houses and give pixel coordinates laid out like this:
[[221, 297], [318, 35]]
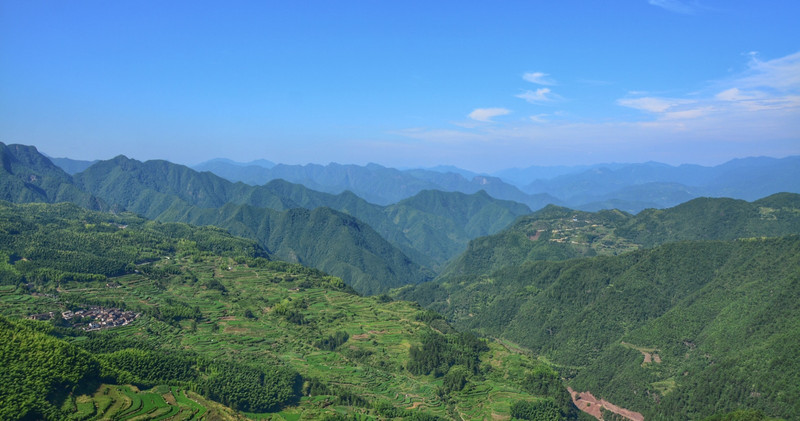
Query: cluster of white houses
[[92, 319]]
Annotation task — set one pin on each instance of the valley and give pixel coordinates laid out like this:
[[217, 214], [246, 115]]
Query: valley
[[277, 301]]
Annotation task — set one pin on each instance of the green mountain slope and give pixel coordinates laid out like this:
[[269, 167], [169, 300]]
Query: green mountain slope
[[322, 238], [169, 192], [28, 176], [556, 233], [430, 236], [718, 314], [217, 319], [715, 309], [730, 343]]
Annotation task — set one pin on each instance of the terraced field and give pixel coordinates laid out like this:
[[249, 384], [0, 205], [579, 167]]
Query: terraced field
[[242, 322], [128, 403]]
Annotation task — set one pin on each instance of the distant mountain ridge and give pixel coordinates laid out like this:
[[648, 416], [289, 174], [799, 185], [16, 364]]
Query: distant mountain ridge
[[375, 183], [333, 232], [665, 186], [629, 187]]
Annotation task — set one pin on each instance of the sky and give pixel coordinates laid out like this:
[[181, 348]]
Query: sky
[[482, 85]]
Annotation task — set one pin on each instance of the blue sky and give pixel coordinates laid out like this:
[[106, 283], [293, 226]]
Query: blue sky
[[483, 85]]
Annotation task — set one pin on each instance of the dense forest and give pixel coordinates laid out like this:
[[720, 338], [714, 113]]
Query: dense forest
[[713, 312], [217, 320], [685, 312], [374, 248]]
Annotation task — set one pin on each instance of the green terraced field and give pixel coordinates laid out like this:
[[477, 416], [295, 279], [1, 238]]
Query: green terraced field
[[242, 325]]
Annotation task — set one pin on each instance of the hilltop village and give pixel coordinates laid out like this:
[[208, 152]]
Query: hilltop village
[[95, 318]]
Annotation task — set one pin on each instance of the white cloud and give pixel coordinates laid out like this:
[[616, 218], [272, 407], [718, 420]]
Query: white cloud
[[673, 6], [487, 114], [732, 94], [652, 104], [770, 88], [539, 78], [755, 112], [539, 95], [779, 74]]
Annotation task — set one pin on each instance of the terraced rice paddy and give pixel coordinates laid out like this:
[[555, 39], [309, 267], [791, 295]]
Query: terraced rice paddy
[[128, 403], [239, 323]]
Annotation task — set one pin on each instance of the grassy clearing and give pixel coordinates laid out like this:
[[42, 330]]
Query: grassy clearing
[[665, 386]]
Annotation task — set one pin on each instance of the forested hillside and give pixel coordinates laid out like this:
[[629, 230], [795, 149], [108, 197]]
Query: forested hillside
[[686, 329], [557, 233], [28, 176], [217, 323], [431, 228], [422, 233]]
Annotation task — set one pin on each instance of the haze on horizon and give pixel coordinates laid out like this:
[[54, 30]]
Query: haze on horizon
[[482, 86]]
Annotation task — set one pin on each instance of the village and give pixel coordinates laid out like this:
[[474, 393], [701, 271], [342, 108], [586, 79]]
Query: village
[[95, 318]]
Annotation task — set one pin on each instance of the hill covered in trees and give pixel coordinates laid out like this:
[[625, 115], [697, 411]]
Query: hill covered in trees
[[557, 233], [219, 323], [410, 240], [696, 319], [28, 176]]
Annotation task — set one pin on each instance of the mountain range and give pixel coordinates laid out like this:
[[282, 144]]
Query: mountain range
[[373, 247], [628, 187], [686, 311]]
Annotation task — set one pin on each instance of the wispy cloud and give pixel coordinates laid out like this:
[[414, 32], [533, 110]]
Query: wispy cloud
[[539, 95], [487, 114], [674, 6], [772, 85], [539, 78], [754, 112], [653, 104]]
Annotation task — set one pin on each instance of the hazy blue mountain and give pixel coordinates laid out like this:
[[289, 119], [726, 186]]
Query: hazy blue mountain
[[265, 163], [376, 183], [522, 177], [28, 176], [444, 169], [638, 197], [634, 187], [72, 166]]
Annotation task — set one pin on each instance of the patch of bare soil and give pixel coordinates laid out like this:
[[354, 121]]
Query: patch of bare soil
[[650, 358], [535, 237], [360, 337], [499, 417], [415, 405], [237, 330], [589, 404]]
